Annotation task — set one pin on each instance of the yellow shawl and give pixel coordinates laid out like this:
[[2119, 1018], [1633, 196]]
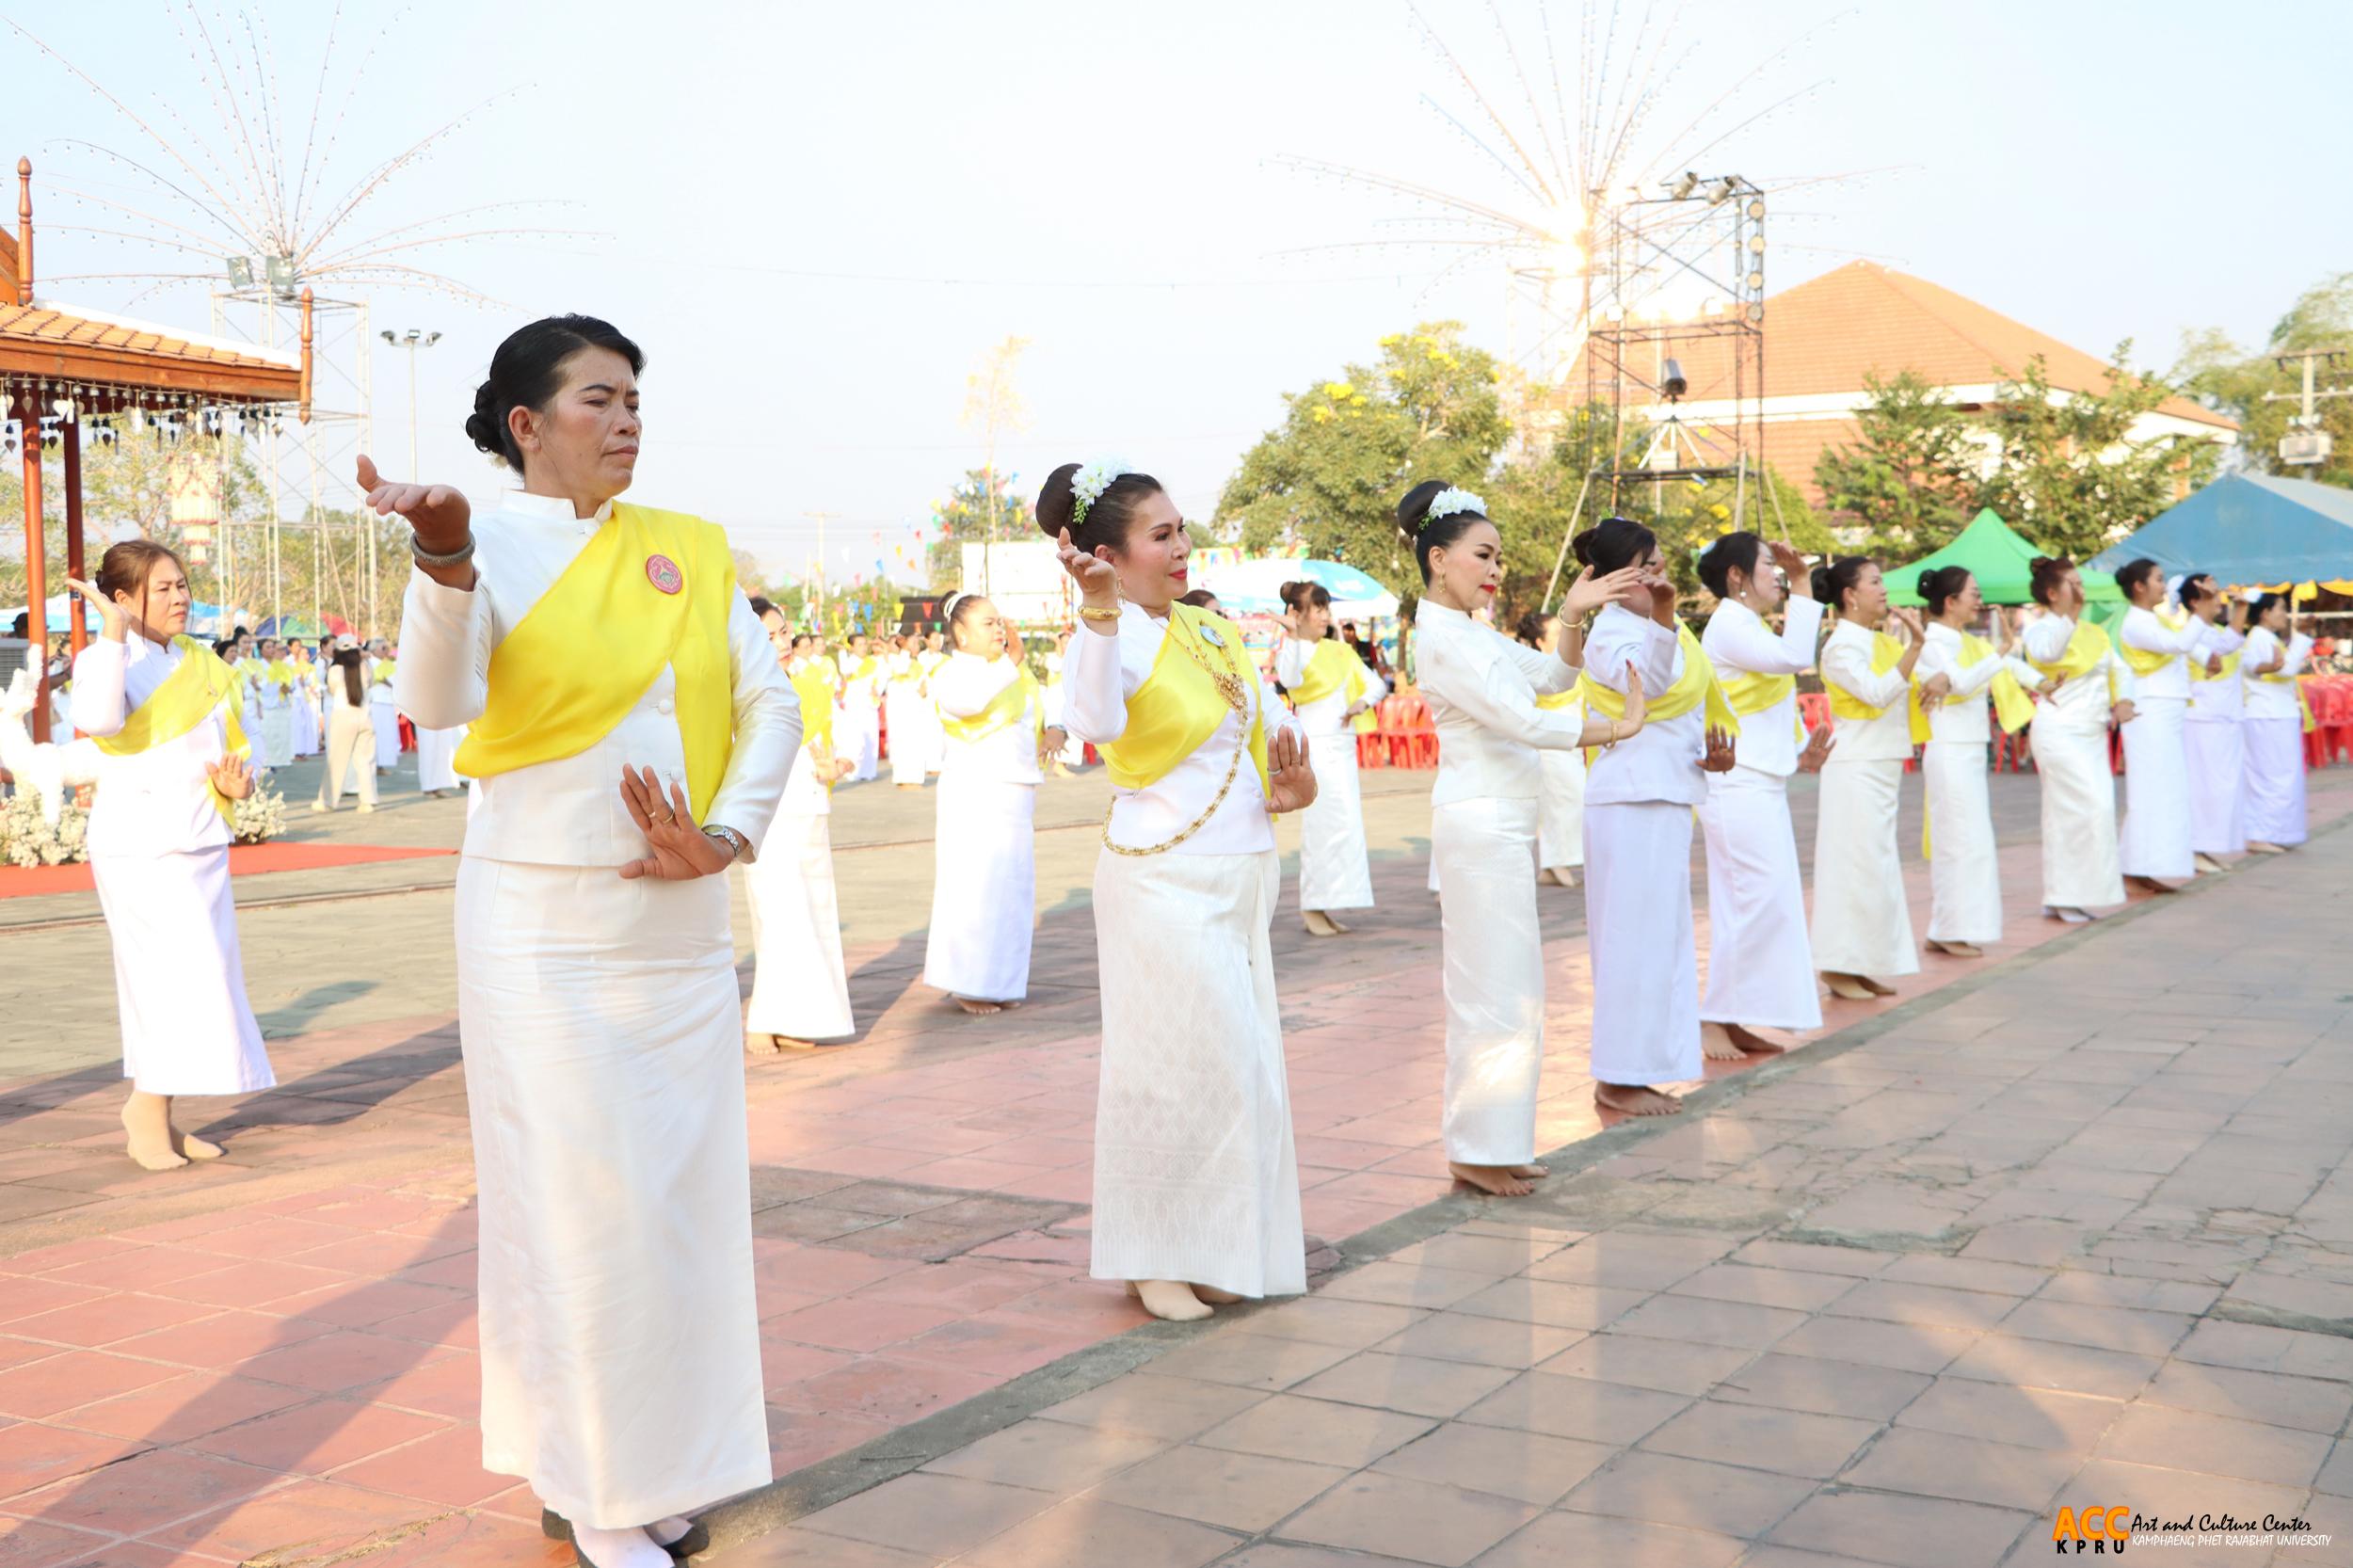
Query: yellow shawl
[[1002, 709], [1177, 708], [202, 682]]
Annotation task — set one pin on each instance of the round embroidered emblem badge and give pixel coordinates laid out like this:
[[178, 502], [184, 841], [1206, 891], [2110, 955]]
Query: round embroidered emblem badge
[[663, 573], [1209, 635]]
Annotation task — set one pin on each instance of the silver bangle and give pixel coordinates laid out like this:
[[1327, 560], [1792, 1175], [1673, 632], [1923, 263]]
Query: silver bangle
[[738, 846], [457, 557]]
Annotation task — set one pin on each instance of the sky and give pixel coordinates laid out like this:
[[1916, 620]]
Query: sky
[[817, 218]]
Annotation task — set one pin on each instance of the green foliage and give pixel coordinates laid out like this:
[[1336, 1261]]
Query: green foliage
[[983, 506], [1909, 482], [1331, 475], [2224, 377]]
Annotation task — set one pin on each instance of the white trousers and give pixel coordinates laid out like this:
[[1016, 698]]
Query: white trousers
[[603, 1054], [1494, 975], [2216, 751], [2155, 838], [2080, 868], [350, 748], [1333, 869], [1861, 921], [386, 719], [187, 1027], [2275, 781], [1760, 962], [1195, 1176], [983, 888], [800, 986], [1560, 823], [1638, 923], [1964, 869]]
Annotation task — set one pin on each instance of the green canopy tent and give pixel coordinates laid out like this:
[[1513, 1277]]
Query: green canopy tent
[[1998, 559]]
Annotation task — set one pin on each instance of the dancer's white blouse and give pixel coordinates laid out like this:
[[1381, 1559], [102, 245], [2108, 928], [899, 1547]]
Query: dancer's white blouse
[[1326, 715], [2219, 698], [2273, 699], [968, 684], [1846, 661], [1482, 689], [2143, 630], [1662, 762], [1740, 643], [1099, 672], [2083, 701], [569, 811], [1940, 654], [158, 801]]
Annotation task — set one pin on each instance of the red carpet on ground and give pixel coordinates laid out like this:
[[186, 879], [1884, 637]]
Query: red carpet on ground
[[243, 860]]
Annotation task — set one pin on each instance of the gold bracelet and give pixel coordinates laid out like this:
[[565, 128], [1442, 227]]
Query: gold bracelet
[[1087, 613]]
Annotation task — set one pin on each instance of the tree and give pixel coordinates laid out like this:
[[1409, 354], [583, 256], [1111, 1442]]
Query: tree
[[981, 506], [2226, 378], [1331, 475], [1908, 482], [2071, 476]]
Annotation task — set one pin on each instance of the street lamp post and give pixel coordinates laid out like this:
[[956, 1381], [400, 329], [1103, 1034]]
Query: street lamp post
[[412, 340]]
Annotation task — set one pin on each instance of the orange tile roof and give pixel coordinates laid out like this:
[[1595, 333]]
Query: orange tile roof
[[48, 341]]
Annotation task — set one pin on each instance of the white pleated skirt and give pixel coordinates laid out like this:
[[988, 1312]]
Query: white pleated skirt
[[2275, 781], [1335, 872], [1560, 822], [1760, 960], [620, 1342], [187, 1027], [2154, 840], [2216, 751], [1964, 874], [800, 987], [1861, 921], [1638, 924], [2080, 867], [983, 888], [1195, 1176], [1493, 972]]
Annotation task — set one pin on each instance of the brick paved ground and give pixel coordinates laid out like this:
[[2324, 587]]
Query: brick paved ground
[[273, 1355]]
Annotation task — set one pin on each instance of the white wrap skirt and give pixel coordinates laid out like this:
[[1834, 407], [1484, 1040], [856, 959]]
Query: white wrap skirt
[[386, 718], [1333, 869], [277, 738], [187, 1027], [1494, 972], [1760, 961], [800, 987], [1196, 1175], [2217, 753], [306, 723], [1861, 920], [437, 758], [620, 1343], [1560, 822], [2155, 838], [983, 888], [1638, 924], [2080, 868], [1963, 874], [909, 748], [2275, 781]]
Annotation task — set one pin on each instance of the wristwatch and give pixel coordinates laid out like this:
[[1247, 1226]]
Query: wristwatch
[[738, 847]]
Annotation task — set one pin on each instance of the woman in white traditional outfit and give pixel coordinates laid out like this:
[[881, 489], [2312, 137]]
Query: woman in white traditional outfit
[[2277, 719], [861, 707], [1862, 918], [278, 705], [1073, 752], [1760, 960], [437, 760], [1329, 686], [598, 1005], [2214, 738], [351, 732], [902, 692], [306, 701], [1965, 873], [800, 986], [2085, 688], [1640, 794], [1196, 1184], [1560, 808], [167, 716], [383, 708], [2152, 845], [985, 862], [1482, 689]]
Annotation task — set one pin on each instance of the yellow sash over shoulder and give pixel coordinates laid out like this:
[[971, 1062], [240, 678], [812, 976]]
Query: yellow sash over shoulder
[[1329, 669], [2085, 651], [2303, 703], [2228, 671], [1752, 692], [2144, 662], [187, 697], [651, 588], [1697, 686], [1177, 708], [2013, 707], [1886, 653], [815, 693], [1003, 709]]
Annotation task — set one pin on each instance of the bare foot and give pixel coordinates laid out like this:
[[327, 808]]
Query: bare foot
[[1876, 987], [1171, 1300], [1533, 1173], [910, 786], [1956, 949], [2150, 885], [977, 1007], [1321, 924], [147, 1123], [1216, 1297], [1850, 987], [188, 1144], [2260, 846], [1746, 1040], [1717, 1045], [2208, 864], [1500, 1181], [762, 1045], [1633, 1099]]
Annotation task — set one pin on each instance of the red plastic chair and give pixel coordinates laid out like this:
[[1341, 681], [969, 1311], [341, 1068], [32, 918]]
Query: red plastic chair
[[1414, 738]]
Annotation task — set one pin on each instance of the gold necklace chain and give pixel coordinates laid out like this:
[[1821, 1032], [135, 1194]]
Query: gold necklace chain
[[1230, 687]]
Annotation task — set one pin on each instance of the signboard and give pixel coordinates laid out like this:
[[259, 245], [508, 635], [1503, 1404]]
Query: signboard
[[1023, 578]]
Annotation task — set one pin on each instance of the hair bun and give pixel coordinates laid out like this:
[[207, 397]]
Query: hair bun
[[482, 425], [1824, 585], [1413, 509], [1056, 504], [1582, 547]]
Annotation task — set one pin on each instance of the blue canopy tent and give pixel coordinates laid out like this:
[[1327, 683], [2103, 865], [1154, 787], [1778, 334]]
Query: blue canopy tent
[[2250, 529]]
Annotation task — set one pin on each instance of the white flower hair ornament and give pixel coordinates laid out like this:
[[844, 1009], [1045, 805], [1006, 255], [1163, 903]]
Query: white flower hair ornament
[[1088, 485], [1449, 502]]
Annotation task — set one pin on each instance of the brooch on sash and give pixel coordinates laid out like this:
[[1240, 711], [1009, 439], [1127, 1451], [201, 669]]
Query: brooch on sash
[[1209, 635], [664, 574]]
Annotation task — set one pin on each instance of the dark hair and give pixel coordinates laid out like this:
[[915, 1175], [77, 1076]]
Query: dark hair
[[1305, 591], [1733, 553], [2133, 573], [347, 661], [2263, 605], [1832, 579], [224, 647], [1107, 520], [800, 637], [1940, 587], [1200, 598], [762, 606], [2043, 574], [126, 567], [958, 612], [2197, 584], [1412, 520], [1613, 544], [1531, 627], [526, 373]]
